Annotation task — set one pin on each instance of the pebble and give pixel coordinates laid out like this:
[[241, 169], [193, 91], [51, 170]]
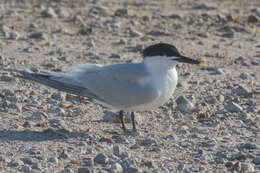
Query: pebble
[[62, 13], [132, 170], [101, 158], [58, 96], [247, 167], [88, 161], [237, 167], [27, 160], [64, 155], [37, 116], [14, 35], [120, 151], [84, 170], [49, 12], [252, 19], [146, 142], [85, 31], [116, 168], [134, 33], [36, 35], [234, 107], [53, 159], [255, 62], [243, 75], [4, 29], [36, 166], [114, 56], [25, 168], [7, 78], [16, 163], [183, 104], [248, 146], [121, 12], [243, 91], [148, 164], [219, 71], [256, 160], [67, 170]]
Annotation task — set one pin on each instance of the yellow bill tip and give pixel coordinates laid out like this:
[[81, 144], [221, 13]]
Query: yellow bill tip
[[202, 64]]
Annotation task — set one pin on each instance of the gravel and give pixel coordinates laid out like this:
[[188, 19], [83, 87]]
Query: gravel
[[211, 123]]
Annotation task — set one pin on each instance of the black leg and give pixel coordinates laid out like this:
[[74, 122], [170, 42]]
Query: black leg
[[121, 116], [133, 120]]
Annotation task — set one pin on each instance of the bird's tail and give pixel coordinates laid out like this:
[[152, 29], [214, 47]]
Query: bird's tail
[[51, 81], [60, 81]]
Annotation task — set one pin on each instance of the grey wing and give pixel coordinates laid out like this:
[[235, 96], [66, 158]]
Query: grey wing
[[119, 85]]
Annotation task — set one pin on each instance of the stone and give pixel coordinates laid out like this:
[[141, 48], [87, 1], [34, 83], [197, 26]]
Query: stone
[[84, 170], [183, 104], [37, 116], [53, 159], [120, 151], [247, 167], [49, 12], [148, 164], [114, 56], [146, 142], [256, 160], [234, 107], [14, 35], [58, 96], [27, 160], [121, 12], [116, 168], [134, 33], [85, 31], [252, 19], [219, 71], [101, 158], [88, 161], [132, 170], [36, 166], [15, 163], [236, 167], [64, 155], [62, 13], [243, 91], [25, 168], [243, 75], [36, 35], [4, 29], [7, 78]]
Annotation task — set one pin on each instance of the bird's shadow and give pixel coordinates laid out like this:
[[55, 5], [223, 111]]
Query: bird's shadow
[[38, 136]]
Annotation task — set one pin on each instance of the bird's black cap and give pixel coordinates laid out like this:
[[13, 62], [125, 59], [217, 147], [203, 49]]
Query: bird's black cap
[[161, 49], [165, 49]]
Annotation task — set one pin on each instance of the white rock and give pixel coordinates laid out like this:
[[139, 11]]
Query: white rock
[[247, 167], [116, 168], [48, 12], [233, 107], [184, 105]]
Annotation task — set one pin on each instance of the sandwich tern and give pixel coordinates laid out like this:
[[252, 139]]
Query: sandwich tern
[[125, 87]]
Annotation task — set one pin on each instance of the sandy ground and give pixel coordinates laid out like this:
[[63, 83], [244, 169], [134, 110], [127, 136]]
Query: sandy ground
[[213, 128]]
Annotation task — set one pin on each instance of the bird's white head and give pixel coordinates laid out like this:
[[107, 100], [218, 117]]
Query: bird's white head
[[165, 55]]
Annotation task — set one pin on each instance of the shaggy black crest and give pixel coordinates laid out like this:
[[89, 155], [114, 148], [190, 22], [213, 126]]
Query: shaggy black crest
[[161, 49]]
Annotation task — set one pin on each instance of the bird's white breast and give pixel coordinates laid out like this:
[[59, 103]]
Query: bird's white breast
[[164, 83]]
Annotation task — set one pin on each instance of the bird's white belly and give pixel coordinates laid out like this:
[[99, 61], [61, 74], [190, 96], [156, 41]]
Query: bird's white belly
[[165, 86]]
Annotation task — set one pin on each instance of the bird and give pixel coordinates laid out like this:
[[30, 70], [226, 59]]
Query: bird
[[123, 87]]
